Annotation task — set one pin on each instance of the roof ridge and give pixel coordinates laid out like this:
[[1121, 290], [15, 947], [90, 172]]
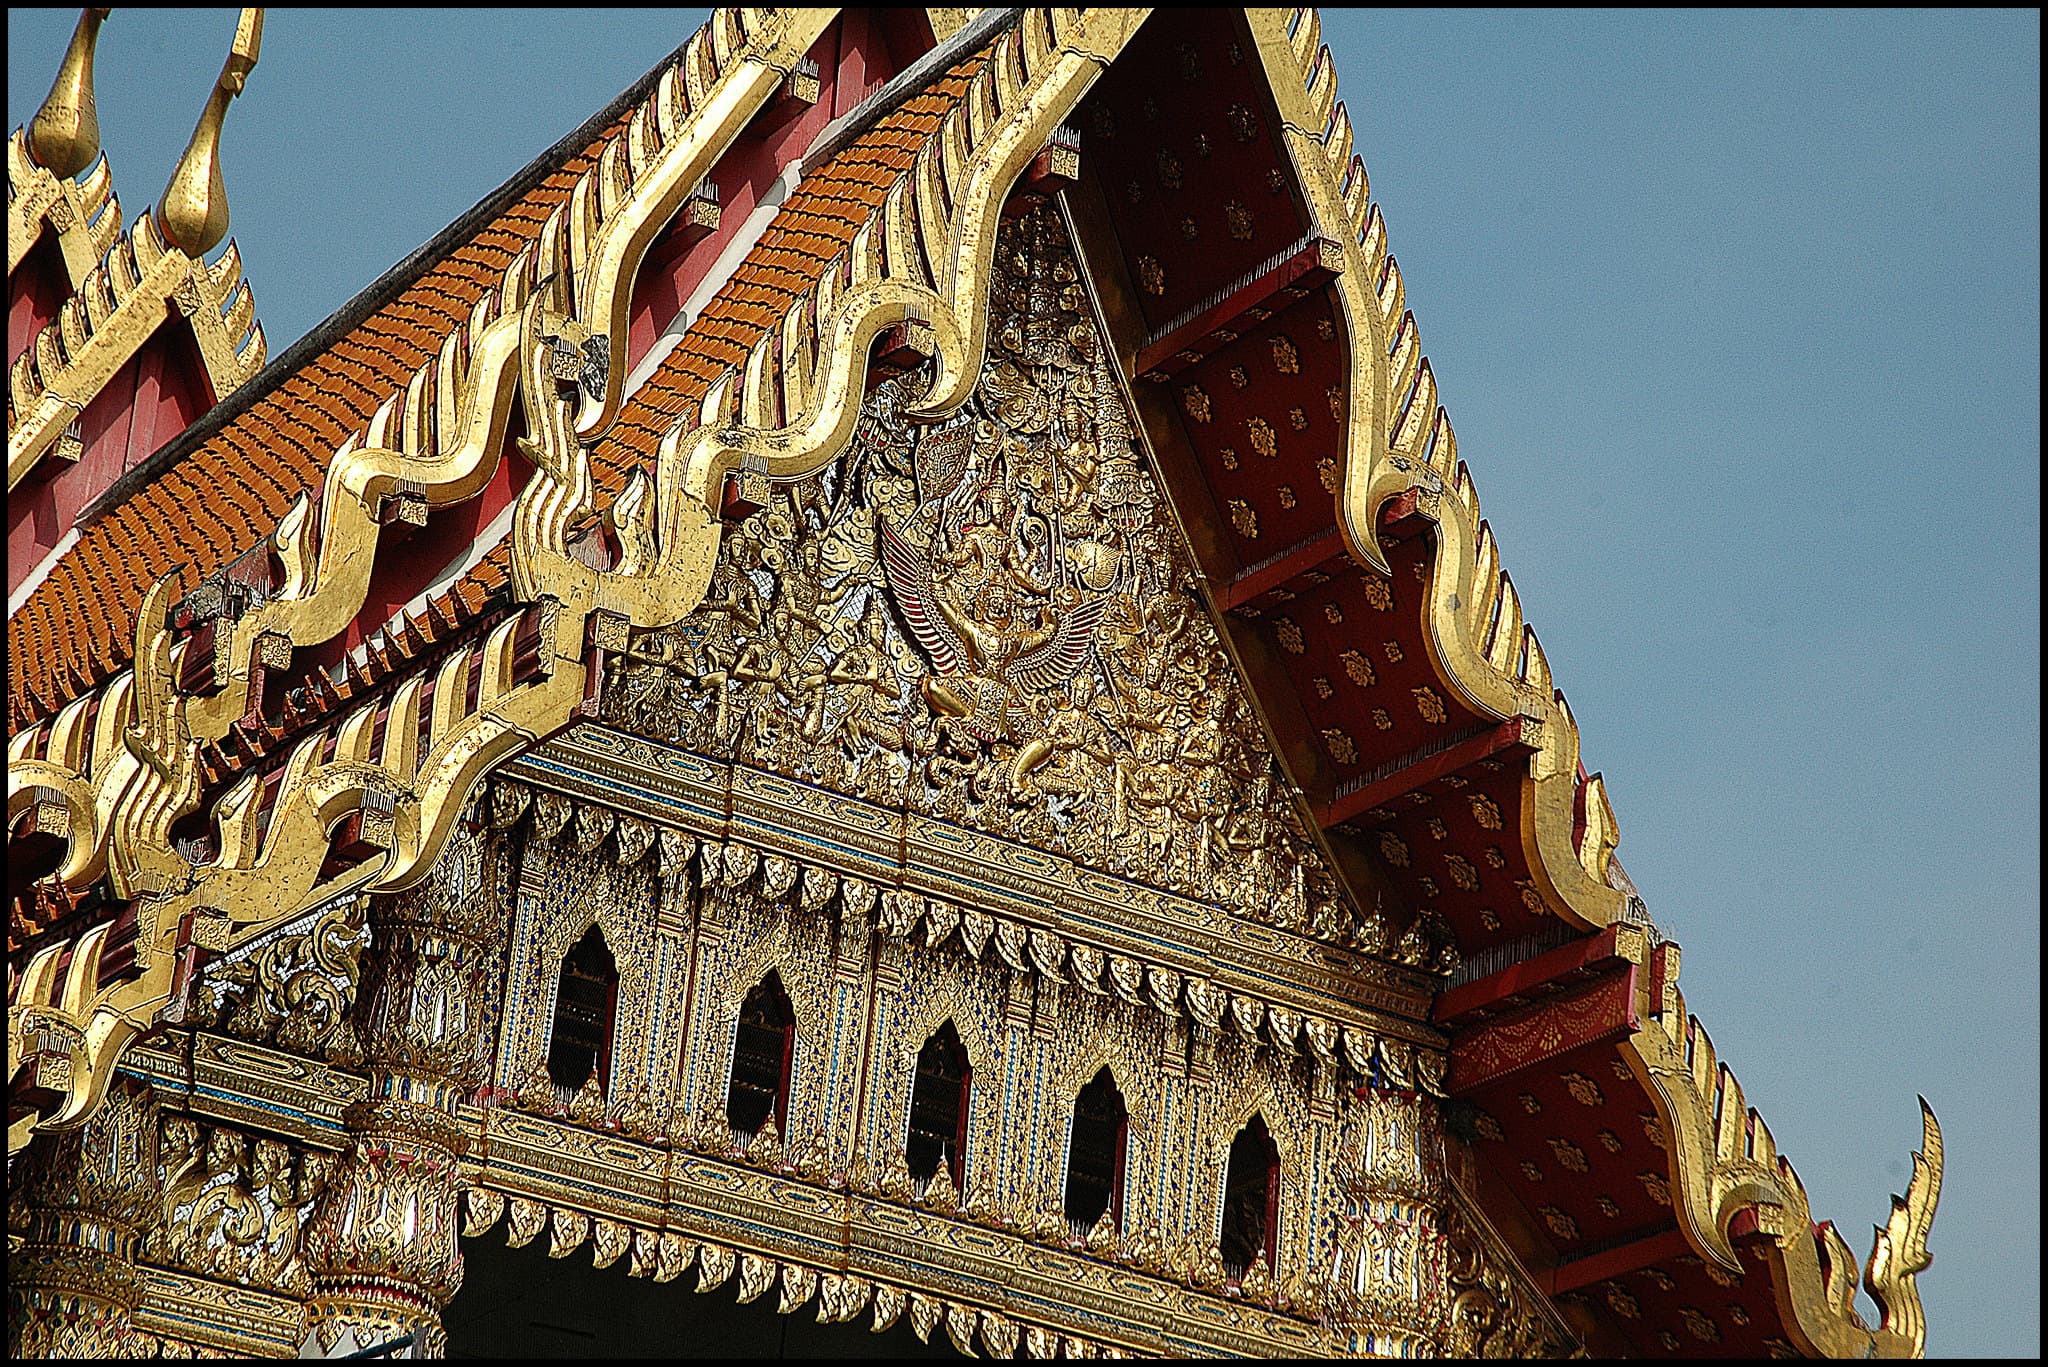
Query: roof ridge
[[379, 292]]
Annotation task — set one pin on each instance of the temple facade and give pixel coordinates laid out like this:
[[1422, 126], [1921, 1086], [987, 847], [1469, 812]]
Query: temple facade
[[877, 686]]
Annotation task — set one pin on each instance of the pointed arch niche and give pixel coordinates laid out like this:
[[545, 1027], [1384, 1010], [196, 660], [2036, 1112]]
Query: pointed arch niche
[[586, 1008], [764, 1042], [938, 1109], [1251, 1200], [1097, 1142]]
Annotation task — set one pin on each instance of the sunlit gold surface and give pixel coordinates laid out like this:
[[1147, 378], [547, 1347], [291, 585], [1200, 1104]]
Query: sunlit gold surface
[[941, 732], [124, 286], [193, 208], [64, 136]]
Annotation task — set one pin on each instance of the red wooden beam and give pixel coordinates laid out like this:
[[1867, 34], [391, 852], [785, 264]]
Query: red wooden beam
[[1505, 737], [1615, 1262], [1268, 575], [1511, 984], [1601, 1012], [1317, 262]]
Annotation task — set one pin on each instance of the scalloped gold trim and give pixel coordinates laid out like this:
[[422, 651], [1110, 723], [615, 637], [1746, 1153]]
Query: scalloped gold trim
[[69, 206], [117, 307], [1473, 626], [1723, 1162]]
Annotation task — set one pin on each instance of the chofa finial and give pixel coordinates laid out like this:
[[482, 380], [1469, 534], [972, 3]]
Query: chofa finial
[[193, 212], [64, 136]]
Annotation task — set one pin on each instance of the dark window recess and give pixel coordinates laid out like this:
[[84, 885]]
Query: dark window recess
[[585, 998], [760, 1059], [1095, 1156], [1251, 1200], [938, 1108]]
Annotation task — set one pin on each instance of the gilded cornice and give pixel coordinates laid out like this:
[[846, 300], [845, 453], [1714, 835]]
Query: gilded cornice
[[1727, 1176], [718, 1208], [1341, 1010], [1399, 443]]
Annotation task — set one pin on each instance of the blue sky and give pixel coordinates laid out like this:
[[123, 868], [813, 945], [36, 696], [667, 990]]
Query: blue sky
[[1737, 315]]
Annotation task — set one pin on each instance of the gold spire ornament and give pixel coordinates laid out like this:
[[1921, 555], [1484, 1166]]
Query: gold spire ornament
[[64, 136], [194, 209]]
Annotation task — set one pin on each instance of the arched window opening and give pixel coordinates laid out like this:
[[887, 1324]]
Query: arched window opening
[[1251, 1200], [761, 1053], [938, 1109], [586, 999], [1095, 1156]]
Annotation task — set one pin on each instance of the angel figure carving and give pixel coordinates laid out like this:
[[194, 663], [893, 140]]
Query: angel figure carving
[[988, 660]]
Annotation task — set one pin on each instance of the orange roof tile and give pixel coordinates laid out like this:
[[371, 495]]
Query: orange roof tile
[[77, 628], [813, 226]]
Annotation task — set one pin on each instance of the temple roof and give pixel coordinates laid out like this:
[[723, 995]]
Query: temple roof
[[365, 496], [219, 489]]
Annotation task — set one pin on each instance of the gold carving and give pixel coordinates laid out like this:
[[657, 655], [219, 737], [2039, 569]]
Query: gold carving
[[293, 989], [1259, 433], [1569, 1155], [1243, 520], [1286, 360], [989, 619], [234, 1207]]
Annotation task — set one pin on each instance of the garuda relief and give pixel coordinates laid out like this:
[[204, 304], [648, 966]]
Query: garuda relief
[[991, 620]]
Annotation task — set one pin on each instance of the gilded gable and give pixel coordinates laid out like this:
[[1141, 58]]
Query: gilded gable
[[992, 621]]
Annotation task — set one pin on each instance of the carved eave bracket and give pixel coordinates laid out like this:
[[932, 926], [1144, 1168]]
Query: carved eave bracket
[[1584, 1059]]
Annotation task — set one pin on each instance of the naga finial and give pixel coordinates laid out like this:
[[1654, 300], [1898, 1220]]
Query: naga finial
[[1899, 1254], [193, 212], [64, 136]]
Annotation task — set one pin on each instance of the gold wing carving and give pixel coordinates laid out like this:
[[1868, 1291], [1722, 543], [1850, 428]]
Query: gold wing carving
[[1900, 1254], [941, 461], [1070, 649], [910, 582]]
